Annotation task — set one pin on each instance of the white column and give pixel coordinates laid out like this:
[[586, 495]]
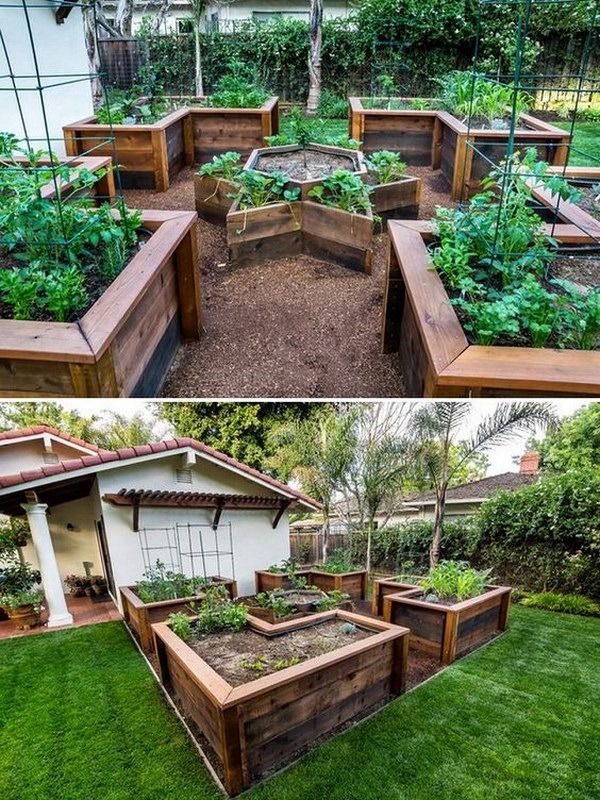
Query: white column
[[53, 588]]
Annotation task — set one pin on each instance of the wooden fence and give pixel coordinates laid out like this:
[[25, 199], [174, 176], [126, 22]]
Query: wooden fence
[[307, 548], [121, 61]]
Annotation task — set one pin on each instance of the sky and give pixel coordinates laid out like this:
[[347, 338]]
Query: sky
[[501, 459]]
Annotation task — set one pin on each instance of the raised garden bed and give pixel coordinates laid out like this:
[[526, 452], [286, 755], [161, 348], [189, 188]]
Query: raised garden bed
[[212, 197], [139, 616], [449, 631], [148, 155], [381, 588], [267, 581], [102, 191], [398, 199], [214, 131], [353, 583], [583, 214], [124, 344], [303, 174], [438, 139], [436, 357], [255, 726]]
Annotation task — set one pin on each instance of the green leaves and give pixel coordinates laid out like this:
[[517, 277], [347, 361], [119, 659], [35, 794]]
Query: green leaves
[[345, 190], [227, 166], [256, 189], [386, 166], [455, 580], [468, 94]]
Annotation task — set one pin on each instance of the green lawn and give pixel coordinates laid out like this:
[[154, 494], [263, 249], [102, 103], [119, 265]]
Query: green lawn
[[586, 139], [331, 127], [80, 718]]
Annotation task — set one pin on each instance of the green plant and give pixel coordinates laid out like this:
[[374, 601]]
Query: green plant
[[256, 189], [159, 583], [386, 166], [284, 663], [454, 580], [226, 166], [257, 665], [23, 598], [343, 141], [332, 600], [337, 562], [77, 581], [217, 613], [181, 625], [565, 603], [331, 105], [278, 604], [345, 190], [16, 577], [132, 107], [236, 90], [473, 95]]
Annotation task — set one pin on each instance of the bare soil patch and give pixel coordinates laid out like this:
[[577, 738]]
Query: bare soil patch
[[304, 166], [589, 201], [294, 327], [582, 270]]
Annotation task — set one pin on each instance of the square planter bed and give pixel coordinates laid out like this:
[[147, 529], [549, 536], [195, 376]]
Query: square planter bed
[[256, 726], [381, 588], [101, 191], [437, 359], [148, 156], [214, 131], [212, 198], [449, 631], [140, 616], [398, 199], [266, 581], [321, 160], [353, 583], [413, 133], [302, 601], [555, 210], [124, 344]]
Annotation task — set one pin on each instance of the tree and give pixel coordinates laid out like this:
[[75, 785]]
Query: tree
[[575, 442], [437, 426], [314, 57], [198, 10], [111, 431], [317, 452], [242, 430]]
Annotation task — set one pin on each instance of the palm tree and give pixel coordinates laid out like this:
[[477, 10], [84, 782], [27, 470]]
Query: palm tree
[[436, 428]]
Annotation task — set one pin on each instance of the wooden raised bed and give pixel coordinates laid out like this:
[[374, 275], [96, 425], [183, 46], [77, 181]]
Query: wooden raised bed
[[124, 344], [436, 358], [214, 131], [335, 235], [212, 198], [148, 156], [398, 199], [448, 631], [306, 185], [262, 725], [353, 583], [139, 616], [266, 581], [381, 588], [102, 191], [553, 209]]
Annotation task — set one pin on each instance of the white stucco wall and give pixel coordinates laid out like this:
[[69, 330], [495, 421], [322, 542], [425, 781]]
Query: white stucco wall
[[24, 454], [60, 50]]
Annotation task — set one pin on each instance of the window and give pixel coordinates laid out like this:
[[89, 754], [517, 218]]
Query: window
[[185, 25], [267, 16]]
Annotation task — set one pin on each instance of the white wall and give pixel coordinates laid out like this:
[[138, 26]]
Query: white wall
[[255, 543], [24, 454], [60, 50]]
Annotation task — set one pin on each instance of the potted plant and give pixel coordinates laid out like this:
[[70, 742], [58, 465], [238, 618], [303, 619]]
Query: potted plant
[[99, 585], [23, 608], [396, 195], [215, 186], [77, 584], [81, 283]]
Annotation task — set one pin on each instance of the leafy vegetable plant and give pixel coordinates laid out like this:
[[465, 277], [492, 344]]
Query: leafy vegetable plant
[[454, 580], [331, 601], [237, 90], [473, 95], [131, 107], [226, 166], [345, 190], [162, 584], [256, 189], [386, 166], [339, 561]]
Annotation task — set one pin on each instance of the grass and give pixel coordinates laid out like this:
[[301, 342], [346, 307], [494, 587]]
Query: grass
[[81, 717], [586, 143], [332, 127]]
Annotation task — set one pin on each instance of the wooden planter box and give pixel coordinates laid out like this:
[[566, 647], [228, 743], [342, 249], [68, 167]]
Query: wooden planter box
[[214, 131], [263, 724], [306, 185], [335, 235], [352, 583], [148, 156], [124, 344], [436, 358], [448, 631], [139, 616], [266, 581], [212, 198], [382, 588], [553, 209], [397, 200], [102, 191]]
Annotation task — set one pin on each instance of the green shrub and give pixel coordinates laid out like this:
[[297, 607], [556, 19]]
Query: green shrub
[[566, 603], [332, 106]]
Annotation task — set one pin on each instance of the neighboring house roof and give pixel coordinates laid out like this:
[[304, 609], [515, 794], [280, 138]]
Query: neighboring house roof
[[107, 459], [37, 431], [477, 491]]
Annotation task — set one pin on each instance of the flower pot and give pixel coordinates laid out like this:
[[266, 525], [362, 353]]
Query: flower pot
[[24, 617], [77, 591], [99, 588], [89, 591]]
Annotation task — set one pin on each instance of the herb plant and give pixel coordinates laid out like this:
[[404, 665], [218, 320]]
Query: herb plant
[[345, 190], [469, 95], [162, 584], [386, 166], [454, 580]]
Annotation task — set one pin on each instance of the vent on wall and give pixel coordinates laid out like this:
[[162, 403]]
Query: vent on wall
[[183, 475]]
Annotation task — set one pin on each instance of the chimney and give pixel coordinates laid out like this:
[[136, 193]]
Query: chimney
[[530, 462]]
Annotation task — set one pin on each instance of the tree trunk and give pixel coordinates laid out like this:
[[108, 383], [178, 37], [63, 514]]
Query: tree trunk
[[314, 57], [160, 16], [123, 17], [325, 534], [369, 540], [91, 44], [438, 526], [198, 69]]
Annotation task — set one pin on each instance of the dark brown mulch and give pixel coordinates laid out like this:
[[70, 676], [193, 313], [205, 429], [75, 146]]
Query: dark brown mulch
[[318, 164], [589, 201], [293, 327], [583, 270]]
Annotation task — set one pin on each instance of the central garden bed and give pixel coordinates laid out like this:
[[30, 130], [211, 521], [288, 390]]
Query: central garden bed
[[320, 673]]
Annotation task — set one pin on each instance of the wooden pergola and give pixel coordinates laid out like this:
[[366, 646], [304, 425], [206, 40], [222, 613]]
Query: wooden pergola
[[157, 498]]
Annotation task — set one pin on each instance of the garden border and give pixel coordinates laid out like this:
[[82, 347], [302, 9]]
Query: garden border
[[436, 358], [346, 582], [124, 344], [102, 191], [567, 212]]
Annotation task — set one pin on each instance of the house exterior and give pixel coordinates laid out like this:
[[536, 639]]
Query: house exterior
[[43, 45], [178, 501]]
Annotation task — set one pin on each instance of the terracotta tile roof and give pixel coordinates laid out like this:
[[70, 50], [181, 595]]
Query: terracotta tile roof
[[37, 430], [129, 453], [484, 488]]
